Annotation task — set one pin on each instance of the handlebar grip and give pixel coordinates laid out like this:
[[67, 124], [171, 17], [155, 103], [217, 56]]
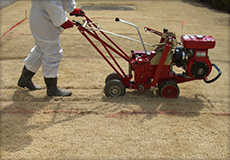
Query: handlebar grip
[[117, 19]]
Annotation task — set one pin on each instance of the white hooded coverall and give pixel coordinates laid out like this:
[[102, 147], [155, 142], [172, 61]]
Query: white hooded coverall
[[46, 17]]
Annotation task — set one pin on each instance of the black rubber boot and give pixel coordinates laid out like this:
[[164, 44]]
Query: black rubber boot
[[26, 80], [53, 90]]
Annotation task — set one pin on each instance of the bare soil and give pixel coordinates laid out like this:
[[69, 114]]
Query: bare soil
[[88, 125]]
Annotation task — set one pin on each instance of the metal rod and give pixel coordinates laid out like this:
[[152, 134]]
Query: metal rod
[[118, 35], [117, 19], [153, 31]]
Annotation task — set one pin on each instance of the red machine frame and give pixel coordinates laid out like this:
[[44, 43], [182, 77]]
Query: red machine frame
[[159, 75]]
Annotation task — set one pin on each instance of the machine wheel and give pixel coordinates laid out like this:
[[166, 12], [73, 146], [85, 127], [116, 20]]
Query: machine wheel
[[111, 77], [169, 89], [114, 88]]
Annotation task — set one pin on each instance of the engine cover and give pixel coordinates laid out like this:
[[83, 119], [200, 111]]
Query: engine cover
[[199, 70], [198, 41], [199, 65]]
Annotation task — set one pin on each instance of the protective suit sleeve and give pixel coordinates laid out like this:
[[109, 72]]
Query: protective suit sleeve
[[56, 12], [69, 5]]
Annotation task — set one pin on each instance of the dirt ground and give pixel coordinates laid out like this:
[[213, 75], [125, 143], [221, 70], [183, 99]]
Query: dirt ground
[[88, 125]]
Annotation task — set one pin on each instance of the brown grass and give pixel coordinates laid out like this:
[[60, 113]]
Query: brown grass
[[89, 125]]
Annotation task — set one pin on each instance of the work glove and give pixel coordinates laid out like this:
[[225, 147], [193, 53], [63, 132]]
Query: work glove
[[67, 24], [77, 12]]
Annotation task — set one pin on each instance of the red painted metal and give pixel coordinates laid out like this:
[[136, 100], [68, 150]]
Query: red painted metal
[[144, 75], [169, 91], [160, 70], [198, 41], [153, 31], [199, 56]]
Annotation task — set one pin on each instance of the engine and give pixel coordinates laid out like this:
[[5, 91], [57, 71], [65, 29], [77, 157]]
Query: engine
[[193, 55]]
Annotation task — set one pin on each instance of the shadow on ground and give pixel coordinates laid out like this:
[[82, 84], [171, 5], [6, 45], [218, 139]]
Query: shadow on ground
[[15, 127], [182, 106]]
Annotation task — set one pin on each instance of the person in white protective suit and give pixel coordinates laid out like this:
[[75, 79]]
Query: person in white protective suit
[[48, 19]]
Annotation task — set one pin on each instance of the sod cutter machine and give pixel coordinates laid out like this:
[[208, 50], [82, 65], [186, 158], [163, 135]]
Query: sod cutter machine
[[153, 69]]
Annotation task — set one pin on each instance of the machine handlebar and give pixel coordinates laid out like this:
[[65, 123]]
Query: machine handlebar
[[117, 19], [143, 44], [218, 75]]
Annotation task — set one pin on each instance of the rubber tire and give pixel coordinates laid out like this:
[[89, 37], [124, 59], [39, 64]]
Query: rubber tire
[[111, 77], [114, 88], [169, 89]]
